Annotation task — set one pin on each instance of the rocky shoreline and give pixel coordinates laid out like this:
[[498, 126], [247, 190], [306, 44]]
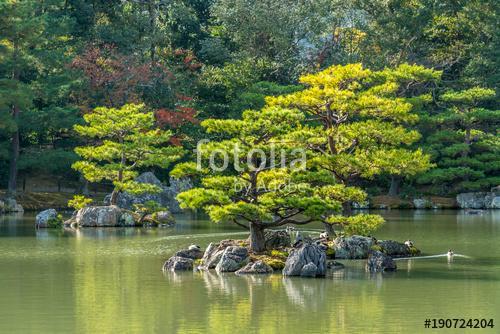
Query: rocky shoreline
[[306, 258]]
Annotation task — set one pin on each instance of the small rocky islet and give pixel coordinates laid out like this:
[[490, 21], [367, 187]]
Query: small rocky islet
[[307, 257]]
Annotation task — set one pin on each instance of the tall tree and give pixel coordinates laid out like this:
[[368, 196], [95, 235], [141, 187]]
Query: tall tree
[[21, 25], [125, 140], [358, 122], [255, 177], [464, 143]]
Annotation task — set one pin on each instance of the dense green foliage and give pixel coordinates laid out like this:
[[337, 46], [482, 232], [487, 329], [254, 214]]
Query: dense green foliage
[[125, 140], [190, 60]]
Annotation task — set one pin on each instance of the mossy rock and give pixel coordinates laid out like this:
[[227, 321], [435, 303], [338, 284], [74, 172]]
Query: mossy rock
[[279, 254], [414, 251], [376, 248], [330, 253], [276, 264]]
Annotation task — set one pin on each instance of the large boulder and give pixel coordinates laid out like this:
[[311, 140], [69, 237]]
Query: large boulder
[[166, 197], [353, 247], [378, 261], [310, 256], [99, 216], [257, 267], [177, 263], [277, 239], [422, 203], [397, 249], [214, 252], [47, 218], [232, 259], [165, 218], [492, 199], [11, 205], [471, 200]]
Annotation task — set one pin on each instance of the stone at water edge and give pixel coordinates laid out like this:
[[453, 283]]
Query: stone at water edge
[[177, 263], [396, 249], [43, 218], [300, 257], [353, 247], [166, 197], [309, 270], [258, 267], [378, 261], [232, 259], [11, 205], [99, 216], [165, 218], [193, 254], [214, 252]]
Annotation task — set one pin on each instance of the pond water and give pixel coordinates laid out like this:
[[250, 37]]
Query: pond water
[[110, 281]]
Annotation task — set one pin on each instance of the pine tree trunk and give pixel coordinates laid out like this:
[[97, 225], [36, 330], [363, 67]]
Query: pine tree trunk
[[257, 238], [14, 157], [395, 185], [346, 208]]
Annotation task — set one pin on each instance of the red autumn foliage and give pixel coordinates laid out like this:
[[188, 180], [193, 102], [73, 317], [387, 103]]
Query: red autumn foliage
[[175, 118], [115, 77]]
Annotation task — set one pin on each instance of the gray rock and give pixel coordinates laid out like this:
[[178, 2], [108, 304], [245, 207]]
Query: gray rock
[[43, 219], [361, 205], [258, 267], [190, 253], [353, 247], [307, 253], [11, 205], [422, 203], [212, 256], [394, 248], [127, 219], [277, 239], [334, 265], [378, 261], [232, 259], [214, 252], [177, 263], [492, 200], [309, 270], [99, 216], [165, 218], [471, 200], [165, 198]]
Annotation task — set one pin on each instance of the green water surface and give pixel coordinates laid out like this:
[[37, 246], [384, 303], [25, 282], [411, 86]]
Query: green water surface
[[110, 281]]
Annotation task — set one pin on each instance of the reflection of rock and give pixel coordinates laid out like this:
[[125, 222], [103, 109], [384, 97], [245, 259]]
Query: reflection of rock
[[177, 263], [308, 253], [165, 198], [378, 261], [354, 247], [46, 218], [308, 294], [258, 267], [232, 259], [99, 216]]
